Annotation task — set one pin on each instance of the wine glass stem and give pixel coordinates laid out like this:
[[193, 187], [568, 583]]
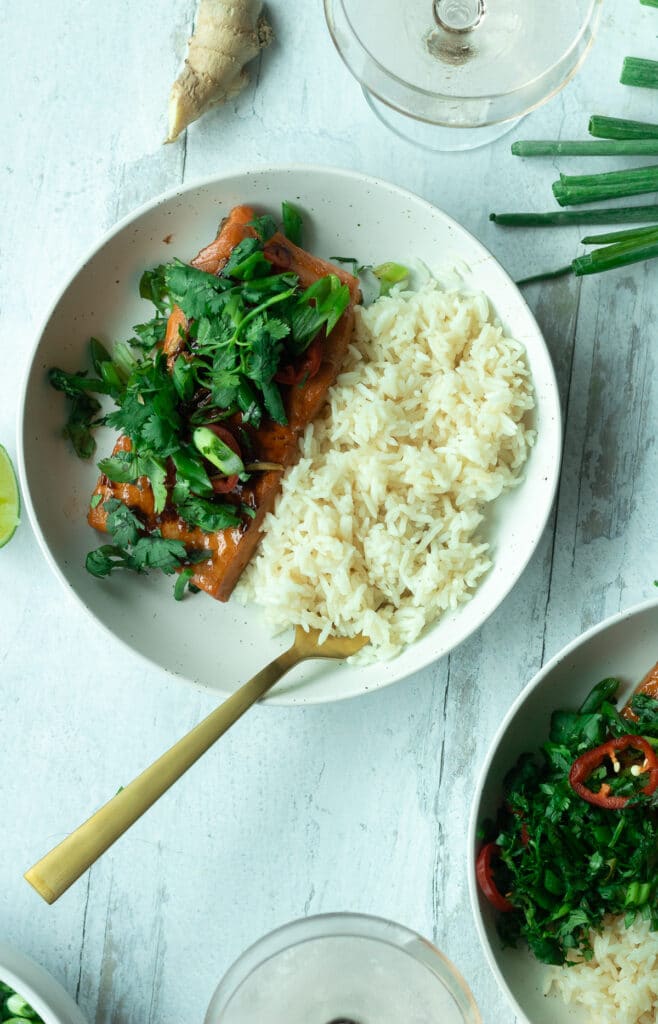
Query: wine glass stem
[[458, 15]]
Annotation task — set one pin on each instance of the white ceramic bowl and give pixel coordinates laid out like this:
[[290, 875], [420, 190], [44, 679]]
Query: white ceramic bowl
[[624, 646], [38, 988], [202, 640]]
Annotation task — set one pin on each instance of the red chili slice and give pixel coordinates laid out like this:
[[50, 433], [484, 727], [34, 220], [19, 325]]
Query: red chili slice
[[307, 369], [588, 762], [486, 881], [225, 484]]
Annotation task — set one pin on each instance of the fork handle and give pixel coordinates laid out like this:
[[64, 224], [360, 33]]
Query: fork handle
[[53, 874]]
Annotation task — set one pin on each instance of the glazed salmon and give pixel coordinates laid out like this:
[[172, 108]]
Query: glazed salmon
[[230, 550], [649, 685]]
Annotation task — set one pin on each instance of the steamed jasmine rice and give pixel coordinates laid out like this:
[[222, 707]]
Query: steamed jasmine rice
[[619, 985], [376, 528]]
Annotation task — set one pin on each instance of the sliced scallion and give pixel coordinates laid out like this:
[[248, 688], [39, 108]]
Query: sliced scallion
[[217, 452], [558, 218], [621, 128], [632, 234], [587, 147], [640, 72], [573, 189], [548, 275]]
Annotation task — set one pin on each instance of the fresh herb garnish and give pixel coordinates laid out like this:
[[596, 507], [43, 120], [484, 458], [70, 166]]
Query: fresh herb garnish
[[563, 862], [292, 222], [133, 549], [235, 330]]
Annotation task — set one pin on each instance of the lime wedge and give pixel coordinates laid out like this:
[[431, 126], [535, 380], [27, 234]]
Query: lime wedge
[[9, 499]]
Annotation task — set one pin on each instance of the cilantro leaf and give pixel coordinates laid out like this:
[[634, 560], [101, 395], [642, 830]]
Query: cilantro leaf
[[208, 515], [122, 522], [152, 286], [157, 552], [103, 560], [82, 413], [264, 227], [150, 334], [156, 471], [264, 336], [196, 292], [121, 468]]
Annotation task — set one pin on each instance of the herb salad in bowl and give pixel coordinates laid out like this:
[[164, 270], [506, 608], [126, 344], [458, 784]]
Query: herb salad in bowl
[[563, 844], [407, 459]]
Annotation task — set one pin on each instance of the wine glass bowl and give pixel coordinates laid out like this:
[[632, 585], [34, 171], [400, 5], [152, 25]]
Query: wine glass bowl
[[342, 969], [454, 74]]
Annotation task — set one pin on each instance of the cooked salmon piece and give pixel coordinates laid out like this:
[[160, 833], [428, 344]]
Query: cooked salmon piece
[[649, 685], [230, 550]]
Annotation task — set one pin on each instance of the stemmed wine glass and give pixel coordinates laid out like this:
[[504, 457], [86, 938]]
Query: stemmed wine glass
[[456, 74], [342, 969]]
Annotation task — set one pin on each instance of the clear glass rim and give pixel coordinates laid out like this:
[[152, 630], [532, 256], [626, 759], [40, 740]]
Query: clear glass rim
[[344, 925], [373, 64]]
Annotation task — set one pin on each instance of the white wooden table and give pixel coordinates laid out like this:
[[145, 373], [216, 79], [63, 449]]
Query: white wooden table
[[359, 806]]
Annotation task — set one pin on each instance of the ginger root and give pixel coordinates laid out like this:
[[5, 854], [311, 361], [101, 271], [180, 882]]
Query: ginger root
[[228, 34]]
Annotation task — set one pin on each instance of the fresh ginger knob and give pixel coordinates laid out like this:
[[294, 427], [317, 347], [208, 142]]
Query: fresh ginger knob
[[227, 35]]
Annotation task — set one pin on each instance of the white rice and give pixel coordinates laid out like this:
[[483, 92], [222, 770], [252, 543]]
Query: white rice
[[376, 528], [620, 984]]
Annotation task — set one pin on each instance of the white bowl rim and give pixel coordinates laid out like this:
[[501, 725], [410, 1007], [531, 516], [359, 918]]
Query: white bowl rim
[[535, 682], [204, 182], [23, 973]]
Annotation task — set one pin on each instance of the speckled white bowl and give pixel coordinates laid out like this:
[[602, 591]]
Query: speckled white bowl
[[219, 645], [38, 988], [624, 646]]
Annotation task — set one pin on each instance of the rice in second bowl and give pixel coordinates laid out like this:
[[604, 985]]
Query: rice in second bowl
[[376, 528]]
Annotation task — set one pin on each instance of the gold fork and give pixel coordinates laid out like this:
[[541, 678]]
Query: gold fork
[[54, 873]]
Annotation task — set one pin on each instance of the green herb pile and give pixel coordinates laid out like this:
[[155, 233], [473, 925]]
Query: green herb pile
[[14, 1009], [243, 325], [564, 863]]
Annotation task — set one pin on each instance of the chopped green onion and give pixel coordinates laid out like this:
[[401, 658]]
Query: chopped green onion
[[123, 359], [632, 234], [181, 583], [99, 354], [640, 72], [18, 1007], [557, 218], [621, 127], [292, 222], [389, 274], [610, 257], [217, 452], [547, 276], [587, 147], [574, 189]]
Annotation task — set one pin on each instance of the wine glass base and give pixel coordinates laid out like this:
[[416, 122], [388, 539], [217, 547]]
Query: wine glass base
[[437, 137]]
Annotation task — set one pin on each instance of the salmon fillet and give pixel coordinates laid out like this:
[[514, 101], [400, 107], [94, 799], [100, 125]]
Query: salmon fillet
[[230, 550], [649, 685]]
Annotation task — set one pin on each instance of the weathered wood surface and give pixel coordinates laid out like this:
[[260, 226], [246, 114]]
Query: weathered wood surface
[[358, 806]]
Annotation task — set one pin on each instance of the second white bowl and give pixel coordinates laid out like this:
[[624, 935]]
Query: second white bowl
[[625, 647]]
